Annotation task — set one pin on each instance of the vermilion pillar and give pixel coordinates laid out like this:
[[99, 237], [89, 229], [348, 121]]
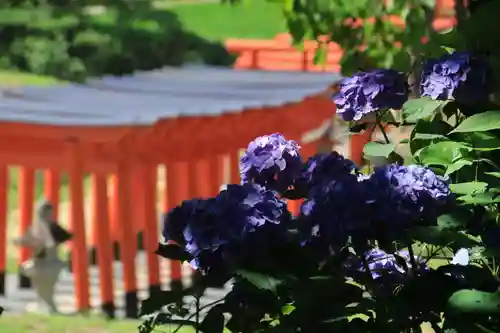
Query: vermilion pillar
[[147, 173], [113, 215], [51, 190], [126, 229], [102, 243], [178, 183], [26, 198], [80, 262], [234, 166], [3, 225]]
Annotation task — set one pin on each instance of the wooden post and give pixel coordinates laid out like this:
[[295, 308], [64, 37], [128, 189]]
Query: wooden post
[[51, 190], [113, 216], [234, 167], [3, 225], [102, 243], [149, 217], [80, 262], [178, 183], [26, 198], [126, 230], [203, 178]]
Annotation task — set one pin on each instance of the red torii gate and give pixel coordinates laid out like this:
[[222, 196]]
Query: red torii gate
[[191, 120]]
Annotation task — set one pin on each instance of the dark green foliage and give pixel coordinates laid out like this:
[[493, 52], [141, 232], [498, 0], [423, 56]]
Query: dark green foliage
[[72, 40], [457, 289]]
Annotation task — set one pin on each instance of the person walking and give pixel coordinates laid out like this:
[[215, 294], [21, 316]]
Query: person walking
[[44, 267]]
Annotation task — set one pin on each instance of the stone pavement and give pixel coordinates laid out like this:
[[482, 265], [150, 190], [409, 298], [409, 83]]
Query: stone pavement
[[24, 300]]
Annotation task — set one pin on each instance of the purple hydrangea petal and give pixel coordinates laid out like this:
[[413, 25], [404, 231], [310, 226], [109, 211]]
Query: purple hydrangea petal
[[405, 194], [207, 226], [458, 76], [367, 92], [327, 166], [271, 161]]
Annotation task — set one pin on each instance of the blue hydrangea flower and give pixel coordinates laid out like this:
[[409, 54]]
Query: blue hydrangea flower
[[324, 167], [405, 194], [271, 161], [210, 229], [176, 221], [381, 263], [334, 210], [368, 92], [458, 76]]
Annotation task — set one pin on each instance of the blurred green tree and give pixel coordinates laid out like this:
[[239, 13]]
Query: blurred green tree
[[74, 39], [393, 33]]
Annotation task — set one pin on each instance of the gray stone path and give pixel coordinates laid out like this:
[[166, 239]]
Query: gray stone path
[[24, 300]]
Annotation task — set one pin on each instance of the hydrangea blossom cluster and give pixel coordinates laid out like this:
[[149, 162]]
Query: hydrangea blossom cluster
[[340, 205], [381, 263], [368, 92], [405, 194], [321, 167], [334, 210], [389, 200], [271, 161], [457, 76], [208, 228]]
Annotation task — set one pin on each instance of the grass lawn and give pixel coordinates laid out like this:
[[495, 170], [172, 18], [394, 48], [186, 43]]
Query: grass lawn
[[31, 323], [213, 20], [251, 19], [15, 79]]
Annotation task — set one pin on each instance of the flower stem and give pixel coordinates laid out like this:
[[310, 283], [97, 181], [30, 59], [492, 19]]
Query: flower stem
[[382, 129], [413, 262], [199, 308], [386, 138]]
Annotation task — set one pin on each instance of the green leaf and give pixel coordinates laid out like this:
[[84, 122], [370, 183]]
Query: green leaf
[[429, 136], [480, 122], [442, 153], [320, 54], [448, 50], [436, 126], [297, 29], [470, 301], [376, 149], [469, 188], [457, 166], [450, 221], [483, 141], [494, 174], [261, 281], [287, 309], [442, 236], [420, 108], [480, 199]]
